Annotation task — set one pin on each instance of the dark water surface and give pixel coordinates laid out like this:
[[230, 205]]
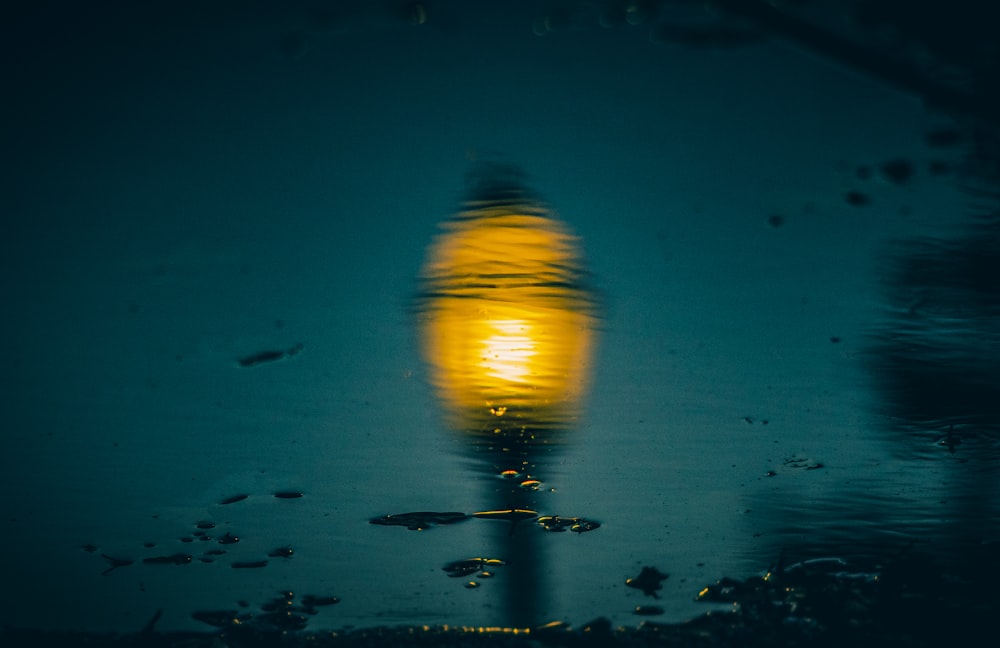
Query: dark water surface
[[714, 303]]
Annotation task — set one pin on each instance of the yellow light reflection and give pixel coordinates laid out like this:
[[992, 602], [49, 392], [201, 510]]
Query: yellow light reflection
[[507, 353], [507, 322]]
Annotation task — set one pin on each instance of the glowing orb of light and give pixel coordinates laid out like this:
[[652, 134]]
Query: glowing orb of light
[[507, 322]]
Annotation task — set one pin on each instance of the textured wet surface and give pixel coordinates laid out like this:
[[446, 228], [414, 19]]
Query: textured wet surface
[[409, 315]]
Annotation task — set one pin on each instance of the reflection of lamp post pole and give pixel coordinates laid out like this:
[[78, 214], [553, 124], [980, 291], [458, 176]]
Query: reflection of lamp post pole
[[507, 329]]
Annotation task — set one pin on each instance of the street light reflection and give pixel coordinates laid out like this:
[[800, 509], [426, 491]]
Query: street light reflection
[[506, 317], [507, 327]]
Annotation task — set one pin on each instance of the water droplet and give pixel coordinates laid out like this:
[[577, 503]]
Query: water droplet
[[229, 538], [460, 568], [281, 552], [557, 523], [471, 585], [530, 484]]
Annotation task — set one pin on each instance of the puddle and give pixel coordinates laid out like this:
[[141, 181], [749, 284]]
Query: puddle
[[714, 296]]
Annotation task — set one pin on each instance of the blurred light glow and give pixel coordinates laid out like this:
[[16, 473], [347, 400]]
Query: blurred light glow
[[507, 322]]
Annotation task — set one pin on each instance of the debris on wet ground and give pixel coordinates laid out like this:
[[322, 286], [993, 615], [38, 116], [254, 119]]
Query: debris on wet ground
[[914, 600], [229, 538], [793, 463], [558, 523], [507, 515], [649, 581], [270, 355], [461, 568], [281, 614], [419, 520], [200, 534]]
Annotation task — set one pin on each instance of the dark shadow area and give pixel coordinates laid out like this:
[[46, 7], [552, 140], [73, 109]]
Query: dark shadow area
[[918, 567]]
